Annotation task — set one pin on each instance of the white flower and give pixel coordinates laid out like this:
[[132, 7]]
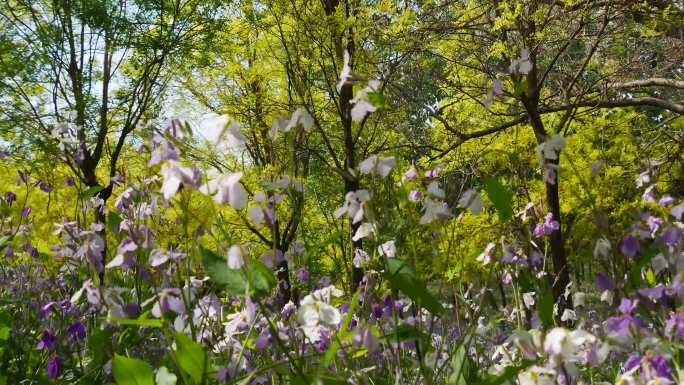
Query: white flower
[[227, 189], [388, 249], [537, 375], [361, 109], [377, 165], [472, 200], [659, 263], [235, 259], [564, 345], [218, 127], [568, 315], [353, 206], [346, 74], [607, 297], [522, 65], [602, 248], [360, 257], [363, 231], [486, 257], [174, 174], [256, 214], [434, 210], [528, 299], [434, 190], [316, 312], [551, 148], [362, 105], [300, 116]]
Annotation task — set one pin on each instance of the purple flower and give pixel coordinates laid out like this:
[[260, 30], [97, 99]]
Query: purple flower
[[549, 226], [603, 282], [672, 235], [53, 367], [303, 275], [661, 366], [69, 181], [434, 172], [26, 211], [627, 305], [666, 200], [47, 341], [44, 186], [415, 195], [377, 310], [653, 293], [77, 331], [629, 246], [3, 154], [674, 326], [10, 197], [47, 310]]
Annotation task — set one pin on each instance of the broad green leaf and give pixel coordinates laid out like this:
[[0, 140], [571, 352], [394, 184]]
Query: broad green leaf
[[261, 279], [131, 371], [545, 307], [91, 192], [233, 281], [5, 332], [377, 99], [500, 197], [464, 370], [403, 333], [509, 373], [402, 277], [113, 220], [634, 280], [4, 240], [191, 356], [140, 321], [520, 88]]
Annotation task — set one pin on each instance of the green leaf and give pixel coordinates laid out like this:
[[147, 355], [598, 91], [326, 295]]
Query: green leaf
[[509, 373], [377, 99], [191, 356], [233, 281], [4, 241], [403, 333], [464, 370], [500, 197], [131, 371], [261, 279], [99, 343], [140, 321], [520, 88], [113, 220], [545, 307], [634, 279], [402, 277], [5, 332], [91, 192]]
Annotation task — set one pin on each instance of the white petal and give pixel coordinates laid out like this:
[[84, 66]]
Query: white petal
[[235, 137], [116, 262], [434, 189], [235, 260], [361, 109], [329, 315], [256, 214], [363, 231]]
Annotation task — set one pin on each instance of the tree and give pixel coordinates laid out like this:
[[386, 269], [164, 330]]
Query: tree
[[544, 65], [97, 71]]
